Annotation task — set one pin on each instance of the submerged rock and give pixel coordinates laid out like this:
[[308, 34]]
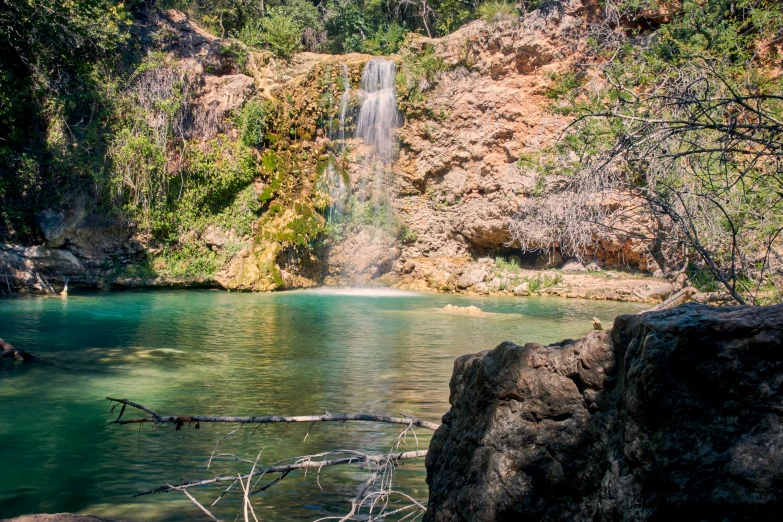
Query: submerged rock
[[464, 310], [672, 415]]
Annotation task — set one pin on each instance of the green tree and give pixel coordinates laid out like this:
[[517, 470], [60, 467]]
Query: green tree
[[56, 63]]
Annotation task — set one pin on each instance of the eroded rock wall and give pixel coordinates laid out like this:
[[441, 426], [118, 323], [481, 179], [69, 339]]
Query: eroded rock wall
[[461, 175], [673, 415]]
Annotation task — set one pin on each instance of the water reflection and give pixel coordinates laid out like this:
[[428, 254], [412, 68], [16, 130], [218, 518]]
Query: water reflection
[[214, 352]]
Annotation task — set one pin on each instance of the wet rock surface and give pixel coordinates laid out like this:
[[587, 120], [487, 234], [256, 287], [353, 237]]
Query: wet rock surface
[[672, 415]]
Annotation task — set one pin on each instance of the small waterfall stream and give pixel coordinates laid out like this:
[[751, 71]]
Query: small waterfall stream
[[378, 116], [373, 110]]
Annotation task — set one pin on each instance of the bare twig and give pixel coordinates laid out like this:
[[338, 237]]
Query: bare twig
[[202, 508], [355, 457]]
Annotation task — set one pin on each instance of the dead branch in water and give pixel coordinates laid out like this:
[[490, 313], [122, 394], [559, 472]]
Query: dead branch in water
[[301, 462], [180, 420], [6, 350], [376, 498]]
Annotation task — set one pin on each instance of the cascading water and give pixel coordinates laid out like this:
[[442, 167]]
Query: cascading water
[[345, 100], [360, 207], [336, 184], [378, 116]]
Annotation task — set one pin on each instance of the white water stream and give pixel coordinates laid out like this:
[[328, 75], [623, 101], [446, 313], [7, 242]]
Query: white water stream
[[378, 116], [369, 185]]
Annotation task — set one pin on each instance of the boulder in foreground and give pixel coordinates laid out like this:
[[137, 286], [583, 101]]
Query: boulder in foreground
[[672, 415]]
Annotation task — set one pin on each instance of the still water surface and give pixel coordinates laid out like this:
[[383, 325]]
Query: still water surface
[[212, 352]]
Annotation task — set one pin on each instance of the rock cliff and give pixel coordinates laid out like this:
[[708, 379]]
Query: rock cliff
[[472, 105], [672, 415]]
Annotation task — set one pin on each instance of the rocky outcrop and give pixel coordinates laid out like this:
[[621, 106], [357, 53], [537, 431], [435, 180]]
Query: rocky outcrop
[[22, 266], [490, 108], [456, 183], [464, 169], [672, 415]]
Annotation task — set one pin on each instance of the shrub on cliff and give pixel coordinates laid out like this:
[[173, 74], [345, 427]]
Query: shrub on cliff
[[281, 33], [683, 128], [497, 10]]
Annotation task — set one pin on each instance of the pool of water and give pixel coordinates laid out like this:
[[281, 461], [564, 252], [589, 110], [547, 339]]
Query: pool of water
[[214, 352]]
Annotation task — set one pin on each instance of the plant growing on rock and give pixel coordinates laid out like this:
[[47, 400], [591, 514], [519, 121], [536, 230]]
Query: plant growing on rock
[[681, 148], [497, 10]]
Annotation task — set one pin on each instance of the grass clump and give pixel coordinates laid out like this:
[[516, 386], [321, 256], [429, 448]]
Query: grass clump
[[507, 265], [543, 281], [495, 11]]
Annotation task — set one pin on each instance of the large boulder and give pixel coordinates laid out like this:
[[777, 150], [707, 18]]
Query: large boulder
[[472, 276], [52, 224], [672, 415]]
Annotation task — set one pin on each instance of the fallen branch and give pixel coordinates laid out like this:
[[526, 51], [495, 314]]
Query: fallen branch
[[180, 420], [44, 285], [6, 350], [681, 297], [375, 496], [355, 457]]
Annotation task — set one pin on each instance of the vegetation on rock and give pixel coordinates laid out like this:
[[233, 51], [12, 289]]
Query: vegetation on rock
[[682, 124]]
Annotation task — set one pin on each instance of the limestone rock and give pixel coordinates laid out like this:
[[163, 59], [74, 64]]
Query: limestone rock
[[573, 266], [222, 94], [363, 256], [52, 224], [22, 264], [654, 291], [473, 276], [216, 238], [522, 289], [672, 415]]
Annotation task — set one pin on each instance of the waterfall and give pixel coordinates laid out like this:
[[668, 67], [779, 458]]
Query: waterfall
[[361, 191], [345, 99], [335, 184], [378, 117]]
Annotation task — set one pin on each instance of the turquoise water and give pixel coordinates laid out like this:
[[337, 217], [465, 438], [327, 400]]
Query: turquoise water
[[213, 352]]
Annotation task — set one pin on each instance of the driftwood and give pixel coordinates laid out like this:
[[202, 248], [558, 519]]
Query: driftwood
[[180, 420], [676, 299], [376, 496], [6, 350]]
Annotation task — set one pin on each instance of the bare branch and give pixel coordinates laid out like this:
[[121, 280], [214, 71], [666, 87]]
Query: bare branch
[[179, 420], [356, 457]]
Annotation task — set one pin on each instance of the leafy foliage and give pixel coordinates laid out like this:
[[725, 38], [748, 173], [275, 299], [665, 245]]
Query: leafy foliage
[[57, 58], [253, 121], [282, 33]]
